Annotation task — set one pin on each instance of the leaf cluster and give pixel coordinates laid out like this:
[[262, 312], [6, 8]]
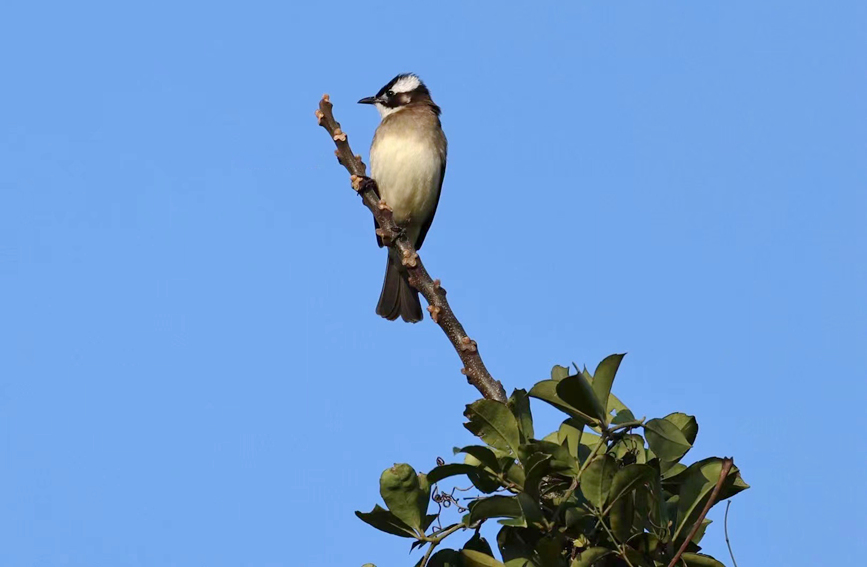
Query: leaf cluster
[[605, 489]]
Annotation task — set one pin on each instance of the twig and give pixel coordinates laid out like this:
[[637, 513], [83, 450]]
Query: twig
[[392, 236], [726, 529], [600, 520], [435, 541], [723, 473]]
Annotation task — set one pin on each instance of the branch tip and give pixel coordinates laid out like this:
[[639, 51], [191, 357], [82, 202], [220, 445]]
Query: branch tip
[[326, 98]]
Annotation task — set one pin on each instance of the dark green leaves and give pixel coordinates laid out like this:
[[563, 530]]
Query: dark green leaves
[[603, 378], [578, 393], [597, 478], [494, 423], [384, 520], [476, 559], [519, 405], [589, 557], [628, 479], [602, 489], [666, 440], [495, 507]]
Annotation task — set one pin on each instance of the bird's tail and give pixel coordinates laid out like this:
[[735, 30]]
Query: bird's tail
[[398, 298]]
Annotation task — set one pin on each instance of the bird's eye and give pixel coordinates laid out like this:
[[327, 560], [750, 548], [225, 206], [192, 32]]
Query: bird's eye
[[389, 93]]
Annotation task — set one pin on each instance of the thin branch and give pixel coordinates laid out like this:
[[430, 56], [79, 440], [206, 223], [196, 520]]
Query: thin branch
[[393, 237], [726, 529], [728, 462]]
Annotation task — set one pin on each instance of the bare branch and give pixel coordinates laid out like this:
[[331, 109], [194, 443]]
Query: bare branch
[[441, 313]]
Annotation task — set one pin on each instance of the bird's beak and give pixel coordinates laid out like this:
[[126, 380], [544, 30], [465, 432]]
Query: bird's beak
[[368, 100]]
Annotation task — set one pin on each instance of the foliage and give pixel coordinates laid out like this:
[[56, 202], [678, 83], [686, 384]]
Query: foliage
[[594, 492]]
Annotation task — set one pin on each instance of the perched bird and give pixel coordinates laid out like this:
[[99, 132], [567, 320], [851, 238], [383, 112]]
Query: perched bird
[[408, 162]]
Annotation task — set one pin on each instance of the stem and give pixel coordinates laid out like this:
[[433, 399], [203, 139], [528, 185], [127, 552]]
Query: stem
[[728, 463], [726, 529], [435, 541], [620, 547], [602, 443]]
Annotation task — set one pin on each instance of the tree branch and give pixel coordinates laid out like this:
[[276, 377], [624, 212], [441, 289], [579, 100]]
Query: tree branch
[[727, 465], [393, 237]]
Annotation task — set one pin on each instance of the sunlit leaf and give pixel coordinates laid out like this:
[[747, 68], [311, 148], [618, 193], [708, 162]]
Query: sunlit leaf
[[405, 494]]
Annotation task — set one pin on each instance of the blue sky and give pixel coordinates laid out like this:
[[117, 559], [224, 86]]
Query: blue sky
[[191, 370]]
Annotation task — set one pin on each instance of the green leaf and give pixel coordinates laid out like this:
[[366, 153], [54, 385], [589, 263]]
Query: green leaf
[[480, 544], [519, 405], [515, 550], [536, 467], [578, 393], [627, 479], [699, 534], [385, 521], [452, 469], [530, 509], [665, 439], [483, 481], [446, 558], [604, 377], [550, 550], [614, 404], [596, 480], [476, 559], [559, 372], [570, 433], [622, 516], [589, 557], [623, 416], [546, 391], [700, 560], [405, 494], [494, 507], [484, 455], [696, 484], [494, 423], [686, 423]]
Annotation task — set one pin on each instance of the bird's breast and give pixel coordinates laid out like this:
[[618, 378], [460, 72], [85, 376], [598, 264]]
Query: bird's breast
[[407, 168]]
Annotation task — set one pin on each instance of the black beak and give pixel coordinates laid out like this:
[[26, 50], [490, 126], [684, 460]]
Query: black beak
[[367, 100]]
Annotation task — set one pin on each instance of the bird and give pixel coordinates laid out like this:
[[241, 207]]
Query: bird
[[408, 163]]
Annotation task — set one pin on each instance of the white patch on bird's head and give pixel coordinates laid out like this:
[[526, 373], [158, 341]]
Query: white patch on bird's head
[[406, 83]]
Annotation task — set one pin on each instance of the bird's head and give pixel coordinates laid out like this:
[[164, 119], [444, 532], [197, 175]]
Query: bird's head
[[401, 91]]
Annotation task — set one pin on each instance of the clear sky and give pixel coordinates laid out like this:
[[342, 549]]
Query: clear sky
[[191, 370]]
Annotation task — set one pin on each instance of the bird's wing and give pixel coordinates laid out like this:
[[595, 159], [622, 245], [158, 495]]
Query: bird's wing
[[429, 219]]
